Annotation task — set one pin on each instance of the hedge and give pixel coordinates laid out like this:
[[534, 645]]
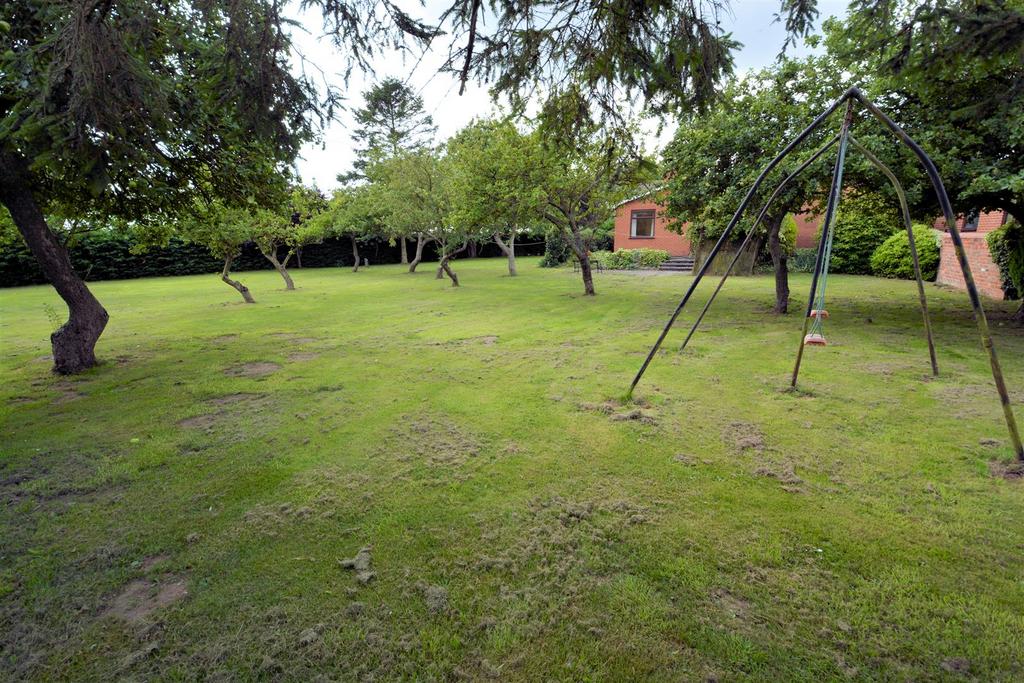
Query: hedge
[[109, 257], [892, 258], [630, 259]]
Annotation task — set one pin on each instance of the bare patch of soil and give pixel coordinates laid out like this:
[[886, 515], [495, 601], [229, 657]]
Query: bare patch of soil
[[784, 473], [732, 605], [141, 599], [204, 422], [153, 561], [294, 338], [303, 355], [1007, 470], [743, 436], [66, 392], [222, 338], [254, 370], [618, 412]]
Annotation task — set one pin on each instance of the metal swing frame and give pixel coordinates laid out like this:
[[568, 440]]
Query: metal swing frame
[[844, 138]]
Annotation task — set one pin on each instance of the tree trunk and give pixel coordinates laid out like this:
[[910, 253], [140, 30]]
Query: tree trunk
[[421, 242], [355, 254], [74, 342], [242, 289], [446, 265], [579, 247], [271, 256], [298, 257], [451, 273], [509, 250], [779, 264], [405, 253], [472, 250]]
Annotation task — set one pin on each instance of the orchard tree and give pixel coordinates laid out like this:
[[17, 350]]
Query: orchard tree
[[413, 190], [495, 178], [352, 212], [714, 158], [585, 175], [223, 230], [289, 227]]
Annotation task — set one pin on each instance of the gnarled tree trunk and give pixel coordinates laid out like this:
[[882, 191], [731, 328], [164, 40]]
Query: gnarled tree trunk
[[508, 250], [355, 254], [281, 268], [225, 276], [421, 241], [74, 342], [779, 264], [405, 253], [446, 268]]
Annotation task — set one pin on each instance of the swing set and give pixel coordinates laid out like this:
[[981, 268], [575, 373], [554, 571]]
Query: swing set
[[816, 313]]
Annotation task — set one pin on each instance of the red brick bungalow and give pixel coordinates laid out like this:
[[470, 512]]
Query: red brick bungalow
[[974, 229], [641, 223]]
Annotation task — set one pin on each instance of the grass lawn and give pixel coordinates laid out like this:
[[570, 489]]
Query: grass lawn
[[186, 510]]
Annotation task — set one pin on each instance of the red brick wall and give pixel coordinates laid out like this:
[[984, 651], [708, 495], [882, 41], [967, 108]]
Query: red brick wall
[[985, 272], [807, 229], [674, 243], [678, 245]]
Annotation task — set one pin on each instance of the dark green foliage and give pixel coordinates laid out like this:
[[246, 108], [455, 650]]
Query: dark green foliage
[[1007, 248], [110, 257], [864, 221], [892, 258], [556, 249]]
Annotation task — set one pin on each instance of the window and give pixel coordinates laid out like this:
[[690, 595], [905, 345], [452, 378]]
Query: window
[[642, 223], [971, 221]]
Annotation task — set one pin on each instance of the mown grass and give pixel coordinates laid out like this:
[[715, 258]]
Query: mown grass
[[523, 524]]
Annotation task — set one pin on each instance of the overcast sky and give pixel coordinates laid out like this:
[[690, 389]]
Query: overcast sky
[[751, 23]]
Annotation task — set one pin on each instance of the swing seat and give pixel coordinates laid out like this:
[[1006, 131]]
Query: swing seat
[[815, 339], [814, 313]]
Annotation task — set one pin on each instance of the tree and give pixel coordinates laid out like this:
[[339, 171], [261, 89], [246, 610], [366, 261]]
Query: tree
[[223, 230], [391, 120], [952, 71], [495, 183], [584, 177], [287, 227], [714, 158], [413, 191], [352, 212], [123, 110]]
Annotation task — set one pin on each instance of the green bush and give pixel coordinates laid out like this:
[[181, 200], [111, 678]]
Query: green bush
[[556, 249], [1006, 245], [787, 234], [864, 221], [630, 259], [892, 258]]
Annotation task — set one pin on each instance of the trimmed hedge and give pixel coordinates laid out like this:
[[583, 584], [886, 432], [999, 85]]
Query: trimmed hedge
[[630, 259], [893, 259], [1006, 245], [109, 257]]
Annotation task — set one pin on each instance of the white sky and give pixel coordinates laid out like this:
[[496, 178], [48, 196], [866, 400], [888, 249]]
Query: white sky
[[750, 23]]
